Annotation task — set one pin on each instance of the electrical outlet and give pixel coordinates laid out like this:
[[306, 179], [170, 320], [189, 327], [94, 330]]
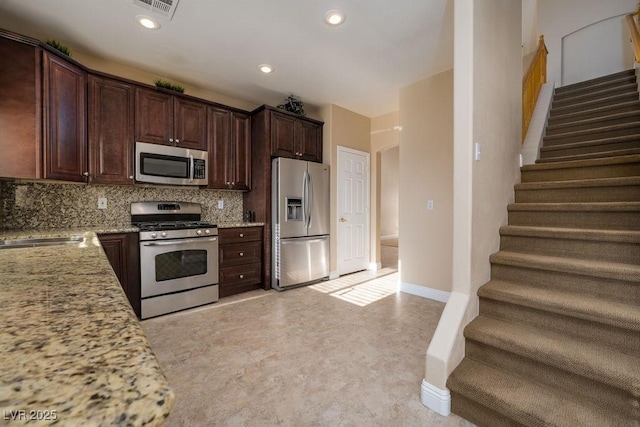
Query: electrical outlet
[[102, 203], [220, 204], [430, 205]]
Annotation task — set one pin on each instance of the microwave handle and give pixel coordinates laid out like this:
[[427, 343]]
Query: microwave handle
[[191, 168]]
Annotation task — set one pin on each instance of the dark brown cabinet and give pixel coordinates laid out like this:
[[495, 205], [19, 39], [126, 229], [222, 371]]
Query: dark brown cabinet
[[111, 131], [20, 107], [229, 144], [295, 137], [240, 260], [162, 118], [65, 116], [123, 253]]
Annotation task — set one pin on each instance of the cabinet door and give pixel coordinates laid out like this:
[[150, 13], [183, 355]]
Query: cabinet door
[[240, 159], [219, 137], [65, 120], [154, 117], [190, 124], [282, 135], [111, 131], [20, 108], [123, 253], [309, 139]]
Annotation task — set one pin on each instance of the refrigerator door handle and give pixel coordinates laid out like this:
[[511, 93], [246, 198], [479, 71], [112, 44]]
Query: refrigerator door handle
[[305, 199], [310, 202]]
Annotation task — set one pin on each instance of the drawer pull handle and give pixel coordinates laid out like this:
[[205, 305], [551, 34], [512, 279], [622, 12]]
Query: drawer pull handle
[[241, 235], [241, 253], [242, 276]]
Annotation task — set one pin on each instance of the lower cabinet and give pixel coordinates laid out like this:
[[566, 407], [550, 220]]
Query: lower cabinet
[[240, 259], [123, 252]]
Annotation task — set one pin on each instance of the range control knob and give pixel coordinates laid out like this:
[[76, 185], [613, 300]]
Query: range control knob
[[154, 235], [163, 234], [198, 232], [207, 231]]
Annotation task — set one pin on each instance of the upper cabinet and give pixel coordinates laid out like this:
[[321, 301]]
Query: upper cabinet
[[162, 118], [20, 109], [295, 137], [65, 110], [111, 131], [229, 145]]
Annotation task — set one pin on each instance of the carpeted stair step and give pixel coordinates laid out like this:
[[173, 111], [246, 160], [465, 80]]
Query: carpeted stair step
[[622, 189], [594, 95], [614, 324], [489, 397], [605, 216], [582, 169], [603, 245], [596, 81], [594, 103], [600, 133], [568, 92], [578, 362], [594, 113], [592, 147], [594, 155], [594, 123]]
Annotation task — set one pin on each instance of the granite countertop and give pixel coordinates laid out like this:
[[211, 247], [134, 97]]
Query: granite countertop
[[73, 352], [239, 224], [63, 232]]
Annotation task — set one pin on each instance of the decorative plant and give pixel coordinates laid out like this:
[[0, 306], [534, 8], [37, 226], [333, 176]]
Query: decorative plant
[[59, 46], [293, 104], [168, 85]]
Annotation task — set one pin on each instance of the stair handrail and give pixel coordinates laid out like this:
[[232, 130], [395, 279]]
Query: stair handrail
[[532, 82], [635, 34]]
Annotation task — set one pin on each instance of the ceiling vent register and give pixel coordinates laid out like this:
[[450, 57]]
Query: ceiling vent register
[[162, 8]]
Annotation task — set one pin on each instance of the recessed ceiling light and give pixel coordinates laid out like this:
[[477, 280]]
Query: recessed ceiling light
[[334, 17], [147, 22], [266, 68]]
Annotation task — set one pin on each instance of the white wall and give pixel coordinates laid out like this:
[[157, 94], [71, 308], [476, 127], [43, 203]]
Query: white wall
[[529, 26], [389, 175], [558, 19]]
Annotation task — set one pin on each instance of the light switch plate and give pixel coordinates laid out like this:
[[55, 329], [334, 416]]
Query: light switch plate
[[102, 203], [430, 205], [220, 204]]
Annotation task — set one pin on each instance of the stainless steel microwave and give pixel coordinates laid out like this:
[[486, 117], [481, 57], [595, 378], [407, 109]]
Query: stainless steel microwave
[[162, 164]]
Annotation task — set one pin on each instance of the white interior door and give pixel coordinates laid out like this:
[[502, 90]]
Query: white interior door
[[353, 210]]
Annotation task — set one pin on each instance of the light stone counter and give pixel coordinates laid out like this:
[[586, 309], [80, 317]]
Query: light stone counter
[[71, 349], [239, 224]]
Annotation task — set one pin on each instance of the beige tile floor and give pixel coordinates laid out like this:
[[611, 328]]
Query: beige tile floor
[[348, 352]]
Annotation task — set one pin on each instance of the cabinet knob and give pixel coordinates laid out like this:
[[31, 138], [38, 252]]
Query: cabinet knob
[[241, 253], [233, 183], [177, 141], [170, 139], [241, 235], [130, 176], [85, 174], [242, 276]]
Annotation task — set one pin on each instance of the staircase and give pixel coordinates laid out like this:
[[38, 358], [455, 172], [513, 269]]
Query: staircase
[[557, 341]]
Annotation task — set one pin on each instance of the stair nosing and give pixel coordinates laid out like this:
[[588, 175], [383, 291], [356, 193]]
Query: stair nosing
[[593, 120], [590, 308], [604, 108], [581, 163], [609, 128], [613, 82], [624, 89], [575, 206], [564, 233], [586, 83], [622, 181], [559, 359], [600, 155], [591, 102]]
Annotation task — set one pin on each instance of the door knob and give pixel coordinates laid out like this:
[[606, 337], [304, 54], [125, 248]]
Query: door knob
[[342, 219]]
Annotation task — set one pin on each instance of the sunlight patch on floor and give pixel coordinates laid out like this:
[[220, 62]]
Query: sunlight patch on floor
[[370, 291], [350, 280]]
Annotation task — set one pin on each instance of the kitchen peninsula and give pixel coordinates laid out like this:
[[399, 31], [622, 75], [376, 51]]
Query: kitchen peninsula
[[72, 350]]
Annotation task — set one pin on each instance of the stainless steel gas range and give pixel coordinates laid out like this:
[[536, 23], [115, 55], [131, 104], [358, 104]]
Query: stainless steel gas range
[[178, 257]]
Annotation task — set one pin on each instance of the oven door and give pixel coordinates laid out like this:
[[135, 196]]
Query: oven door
[[176, 265]]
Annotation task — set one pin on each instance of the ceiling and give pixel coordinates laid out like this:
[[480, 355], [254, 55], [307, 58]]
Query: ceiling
[[218, 44]]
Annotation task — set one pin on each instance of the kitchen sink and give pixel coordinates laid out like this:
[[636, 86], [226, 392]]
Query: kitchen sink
[[46, 241]]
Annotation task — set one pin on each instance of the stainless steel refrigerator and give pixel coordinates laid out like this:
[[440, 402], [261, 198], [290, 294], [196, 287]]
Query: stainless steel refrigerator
[[300, 215]]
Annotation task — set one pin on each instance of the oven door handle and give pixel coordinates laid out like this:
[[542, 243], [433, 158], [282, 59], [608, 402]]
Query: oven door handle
[[191, 174], [179, 242]]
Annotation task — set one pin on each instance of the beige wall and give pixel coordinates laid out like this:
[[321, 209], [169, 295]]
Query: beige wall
[[426, 156], [385, 134], [389, 180], [347, 129], [488, 78], [529, 26]]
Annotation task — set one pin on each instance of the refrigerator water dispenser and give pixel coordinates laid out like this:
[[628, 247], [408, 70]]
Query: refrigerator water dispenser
[[294, 209]]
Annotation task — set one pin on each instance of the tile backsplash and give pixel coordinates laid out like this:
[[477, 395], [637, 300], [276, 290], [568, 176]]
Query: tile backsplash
[[42, 205]]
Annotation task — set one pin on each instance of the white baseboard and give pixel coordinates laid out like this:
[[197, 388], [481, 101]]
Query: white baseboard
[[333, 275], [424, 292], [435, 398], [389, 237], [375, 266]]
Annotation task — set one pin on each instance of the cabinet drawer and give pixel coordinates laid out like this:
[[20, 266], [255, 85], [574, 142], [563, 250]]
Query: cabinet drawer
[[247, 273], [240, 234], [240, 253]]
